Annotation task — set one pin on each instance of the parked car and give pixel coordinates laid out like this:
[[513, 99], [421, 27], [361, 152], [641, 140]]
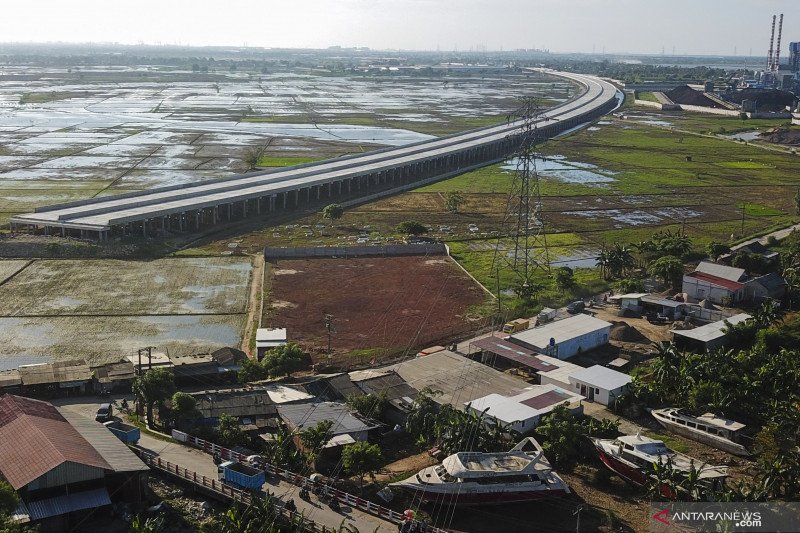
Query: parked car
[[104, 413], [576, 307]]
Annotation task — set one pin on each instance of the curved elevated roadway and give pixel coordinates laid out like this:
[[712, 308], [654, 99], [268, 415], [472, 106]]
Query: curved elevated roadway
[[348, 180]]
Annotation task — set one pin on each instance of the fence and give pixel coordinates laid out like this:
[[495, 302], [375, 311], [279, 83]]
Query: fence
[[353, 251], [301, 481], [221, 489]]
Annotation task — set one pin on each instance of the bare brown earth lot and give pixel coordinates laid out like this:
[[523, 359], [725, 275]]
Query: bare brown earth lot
[[381, 306]]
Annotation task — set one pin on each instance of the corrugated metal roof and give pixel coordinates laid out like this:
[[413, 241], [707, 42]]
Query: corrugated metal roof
[[391, 385], [57, 372], [602, 377], [304, 415], [76, 501], [716, 280], [721, 271], [458, 378], [560, 330], [111, 372], [513, 352], [234, 402], [110, 448], [712, 331], [10, 378], [283, 394], [46, 441]]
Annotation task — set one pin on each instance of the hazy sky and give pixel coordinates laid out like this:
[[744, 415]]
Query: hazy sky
[[645, 26]]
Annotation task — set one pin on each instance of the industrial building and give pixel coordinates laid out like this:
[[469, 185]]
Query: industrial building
[[63, 469], [794, 57], [565, 338]]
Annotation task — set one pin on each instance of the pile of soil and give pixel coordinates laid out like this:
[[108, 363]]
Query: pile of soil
[[688, 96], [629, 313], [782, 136], [623, 332]]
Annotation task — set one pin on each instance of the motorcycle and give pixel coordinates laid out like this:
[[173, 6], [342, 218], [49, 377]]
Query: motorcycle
[[290, 506], [304, 494], [334, 504]]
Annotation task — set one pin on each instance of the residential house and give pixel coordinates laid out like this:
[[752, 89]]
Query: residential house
[[347, 427], [719, 284], [599, 384], [522, 412], [252, 406], [269, 338], [399, 394]]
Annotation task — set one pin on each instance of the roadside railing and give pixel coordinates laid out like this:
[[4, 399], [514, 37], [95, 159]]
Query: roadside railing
[[229, 492], [301, 481]]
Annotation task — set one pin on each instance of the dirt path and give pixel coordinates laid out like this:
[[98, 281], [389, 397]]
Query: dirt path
[[254, 303]]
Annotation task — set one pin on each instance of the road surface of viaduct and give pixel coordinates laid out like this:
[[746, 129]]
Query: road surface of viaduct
[[346, 180]]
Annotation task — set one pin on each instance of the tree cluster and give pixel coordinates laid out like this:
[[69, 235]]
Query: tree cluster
[[279, 361]]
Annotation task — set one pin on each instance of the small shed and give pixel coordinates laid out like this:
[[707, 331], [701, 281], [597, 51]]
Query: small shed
[[565, 338], [708, 337], [600, 384], [269, 338]]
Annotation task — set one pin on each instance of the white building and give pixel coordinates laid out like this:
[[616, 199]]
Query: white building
[[600, 384], [523, 411], [268, 338], [564, 338], [720, 284]]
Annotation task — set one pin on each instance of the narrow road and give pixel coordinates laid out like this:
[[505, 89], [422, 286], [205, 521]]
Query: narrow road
[[202, 463], [253, 317], [315, 510]]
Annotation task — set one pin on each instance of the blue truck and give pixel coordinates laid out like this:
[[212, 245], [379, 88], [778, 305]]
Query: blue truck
[[124, 432], [241, 475]]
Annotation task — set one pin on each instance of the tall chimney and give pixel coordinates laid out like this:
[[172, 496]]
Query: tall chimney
[[771, 41], [777, 64]]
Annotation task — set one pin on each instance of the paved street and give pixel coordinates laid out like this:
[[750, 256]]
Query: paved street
[[202, 463]]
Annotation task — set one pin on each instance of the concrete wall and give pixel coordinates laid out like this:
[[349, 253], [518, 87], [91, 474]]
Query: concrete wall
[[583, 343], [601, 395], [354, 251], [714, 293]]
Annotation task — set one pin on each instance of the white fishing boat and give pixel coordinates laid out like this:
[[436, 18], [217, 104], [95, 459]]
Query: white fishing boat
[[521, 474], [634, 457], [718, 432]]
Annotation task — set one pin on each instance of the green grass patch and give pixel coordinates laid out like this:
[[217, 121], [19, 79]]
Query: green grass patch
[[744, 164], [367, 353], [274, 161], [647, 96], [756, 210], [671, 442], [42, 97]]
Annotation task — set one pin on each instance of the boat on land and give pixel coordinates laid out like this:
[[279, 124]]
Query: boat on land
[[721, 433], [468, 478], [635, 458]]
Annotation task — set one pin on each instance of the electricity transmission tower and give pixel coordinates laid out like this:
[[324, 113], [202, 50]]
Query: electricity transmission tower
[[522, 244]]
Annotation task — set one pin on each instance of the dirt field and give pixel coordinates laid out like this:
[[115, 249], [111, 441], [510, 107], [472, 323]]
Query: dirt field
[[381, 306]]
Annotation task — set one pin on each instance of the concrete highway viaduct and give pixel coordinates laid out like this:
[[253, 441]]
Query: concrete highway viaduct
[[346, 180]]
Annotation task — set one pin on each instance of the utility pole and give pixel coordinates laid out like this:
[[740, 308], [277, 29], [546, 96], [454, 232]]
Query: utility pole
[[331, 329], [744, 207], [149, 358], [578, 514]]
